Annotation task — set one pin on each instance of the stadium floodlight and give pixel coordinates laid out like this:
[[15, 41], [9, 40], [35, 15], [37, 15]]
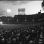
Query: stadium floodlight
[[25, 20], [8, 19], [17, 19], [8, 10], [1, 23]]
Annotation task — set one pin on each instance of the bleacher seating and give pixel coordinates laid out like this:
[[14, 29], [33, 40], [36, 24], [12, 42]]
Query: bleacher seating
[[27, 35]]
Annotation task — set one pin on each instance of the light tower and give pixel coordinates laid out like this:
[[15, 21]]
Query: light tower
[[8, 11]]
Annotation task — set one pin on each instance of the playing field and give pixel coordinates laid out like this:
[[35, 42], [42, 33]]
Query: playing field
[[9, 26], [13, 26]]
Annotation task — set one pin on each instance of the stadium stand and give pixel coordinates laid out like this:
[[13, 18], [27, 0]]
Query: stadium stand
[[27, 35]]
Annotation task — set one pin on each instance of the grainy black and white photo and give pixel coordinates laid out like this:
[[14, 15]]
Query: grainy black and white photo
[[21, 21]]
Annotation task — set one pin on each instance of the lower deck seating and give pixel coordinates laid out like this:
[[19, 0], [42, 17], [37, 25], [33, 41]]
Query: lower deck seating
[[22, 36]]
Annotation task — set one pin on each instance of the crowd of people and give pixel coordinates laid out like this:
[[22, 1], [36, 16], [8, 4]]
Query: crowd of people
[[22, 35]]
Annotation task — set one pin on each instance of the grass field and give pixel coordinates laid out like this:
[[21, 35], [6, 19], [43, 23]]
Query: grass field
[[13, 26], [9, 26]]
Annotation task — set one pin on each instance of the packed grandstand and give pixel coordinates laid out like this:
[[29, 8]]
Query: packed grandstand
[[23, 35]]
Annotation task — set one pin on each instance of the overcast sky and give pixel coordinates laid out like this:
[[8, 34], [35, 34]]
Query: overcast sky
[[31, 7]]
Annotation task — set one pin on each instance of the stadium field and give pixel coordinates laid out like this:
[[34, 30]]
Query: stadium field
[[13, 26], [9, 26]]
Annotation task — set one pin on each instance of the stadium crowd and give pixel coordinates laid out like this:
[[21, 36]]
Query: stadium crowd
[[23, 35]]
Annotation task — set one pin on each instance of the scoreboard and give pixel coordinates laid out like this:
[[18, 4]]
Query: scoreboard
[[21, 11]]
